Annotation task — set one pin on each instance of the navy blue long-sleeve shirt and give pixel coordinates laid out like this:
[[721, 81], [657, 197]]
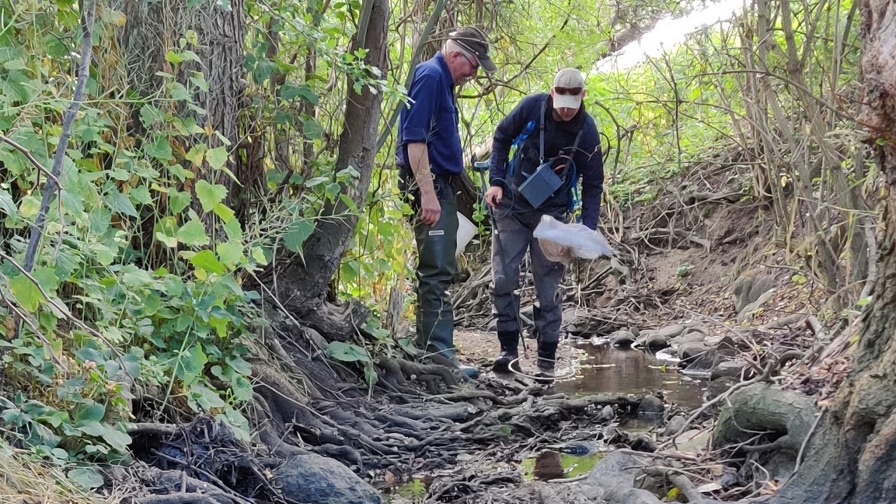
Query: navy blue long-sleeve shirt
[[431, 118], [559, 136]]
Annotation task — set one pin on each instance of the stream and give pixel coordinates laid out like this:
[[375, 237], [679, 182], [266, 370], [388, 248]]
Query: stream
[[609, 370]]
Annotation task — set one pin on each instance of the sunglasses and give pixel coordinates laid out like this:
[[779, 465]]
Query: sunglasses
[[568, 90], [474, 66]]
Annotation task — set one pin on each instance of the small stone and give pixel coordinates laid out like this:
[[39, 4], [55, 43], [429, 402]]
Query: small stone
[[732, 369], [607, 414], [651, 405], [671, 331], [622, 338], [688, 337], [674, 425]]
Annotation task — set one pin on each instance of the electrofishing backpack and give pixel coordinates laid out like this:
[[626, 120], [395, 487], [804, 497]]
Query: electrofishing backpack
[[544, 181]]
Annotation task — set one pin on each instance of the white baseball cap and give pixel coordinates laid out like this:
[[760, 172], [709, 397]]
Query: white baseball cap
[[566, 81]]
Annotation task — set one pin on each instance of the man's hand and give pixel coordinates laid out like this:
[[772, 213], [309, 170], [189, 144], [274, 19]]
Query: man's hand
[[430, 209], [493, 196]]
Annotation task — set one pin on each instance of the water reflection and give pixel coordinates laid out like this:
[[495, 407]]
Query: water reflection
[[609, 370], [552, 465]]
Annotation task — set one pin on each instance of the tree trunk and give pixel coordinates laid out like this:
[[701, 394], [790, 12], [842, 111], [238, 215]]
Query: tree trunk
[[155, 28], [852, 457], [305, 281]]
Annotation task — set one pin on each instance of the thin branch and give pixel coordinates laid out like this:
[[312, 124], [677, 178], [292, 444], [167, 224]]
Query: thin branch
[[25, 152], [87, 18]]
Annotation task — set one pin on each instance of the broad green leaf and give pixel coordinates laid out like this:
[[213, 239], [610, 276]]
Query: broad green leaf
[[224, 212], [209, 194], [86, 477], [291, 92], [217, 157], [26, 293], [177, 201], [259, 256], [191, 364], [29, 206], [47, 279], [176, 57], [232, 227], [165, 230], [119, 202], [104, 255], [116, 438], [193, 233], [207, 261], [91, 428], [346, 352], [88, 411], [312, 129], [7, 205], [230, 253], [160, 149], [196, 154], [297, 233], [206, 397]]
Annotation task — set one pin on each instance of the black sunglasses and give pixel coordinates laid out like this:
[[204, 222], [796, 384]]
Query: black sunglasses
[[568, 90], [474, 66]]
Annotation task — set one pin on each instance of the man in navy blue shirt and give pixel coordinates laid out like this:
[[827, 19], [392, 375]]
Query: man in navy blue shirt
[[554, 133], [429, 155]]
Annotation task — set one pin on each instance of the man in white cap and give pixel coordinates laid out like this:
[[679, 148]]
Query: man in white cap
[[557, 144]]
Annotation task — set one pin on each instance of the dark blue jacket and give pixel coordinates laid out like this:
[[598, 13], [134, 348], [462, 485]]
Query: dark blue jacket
[[431, 117], [558, 136]]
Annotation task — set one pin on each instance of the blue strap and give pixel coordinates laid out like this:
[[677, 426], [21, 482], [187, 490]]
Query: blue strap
[[575, 188], [530, 127]]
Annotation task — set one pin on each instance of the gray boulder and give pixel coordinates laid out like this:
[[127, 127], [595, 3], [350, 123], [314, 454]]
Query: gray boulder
[[312, 479]]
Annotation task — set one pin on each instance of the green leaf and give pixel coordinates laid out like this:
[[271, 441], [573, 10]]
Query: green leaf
[[346, 352], [117, 439], [258, 256], [217, 157], [296, 234], [26, 293], [312, 129], [196, 154], [86, 477], [47, 279], [206, 397], [7, 205], [88, 411], [193, 233], [177, 201], [207, 261], [91, 428], [209, 194], [230, 253], [224, 212], [291, 92], [175, 57], [119, 202], [29, 206], [192, 363], [160, 149]]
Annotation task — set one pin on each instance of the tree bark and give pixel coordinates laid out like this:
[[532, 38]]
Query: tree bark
[[154, 28], [304, 283], [852, 457]]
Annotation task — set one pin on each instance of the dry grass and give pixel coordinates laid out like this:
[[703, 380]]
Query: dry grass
[[25, 481]]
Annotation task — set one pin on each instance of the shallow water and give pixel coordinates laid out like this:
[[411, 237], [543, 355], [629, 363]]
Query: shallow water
[[549, 465], [608, 370]]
